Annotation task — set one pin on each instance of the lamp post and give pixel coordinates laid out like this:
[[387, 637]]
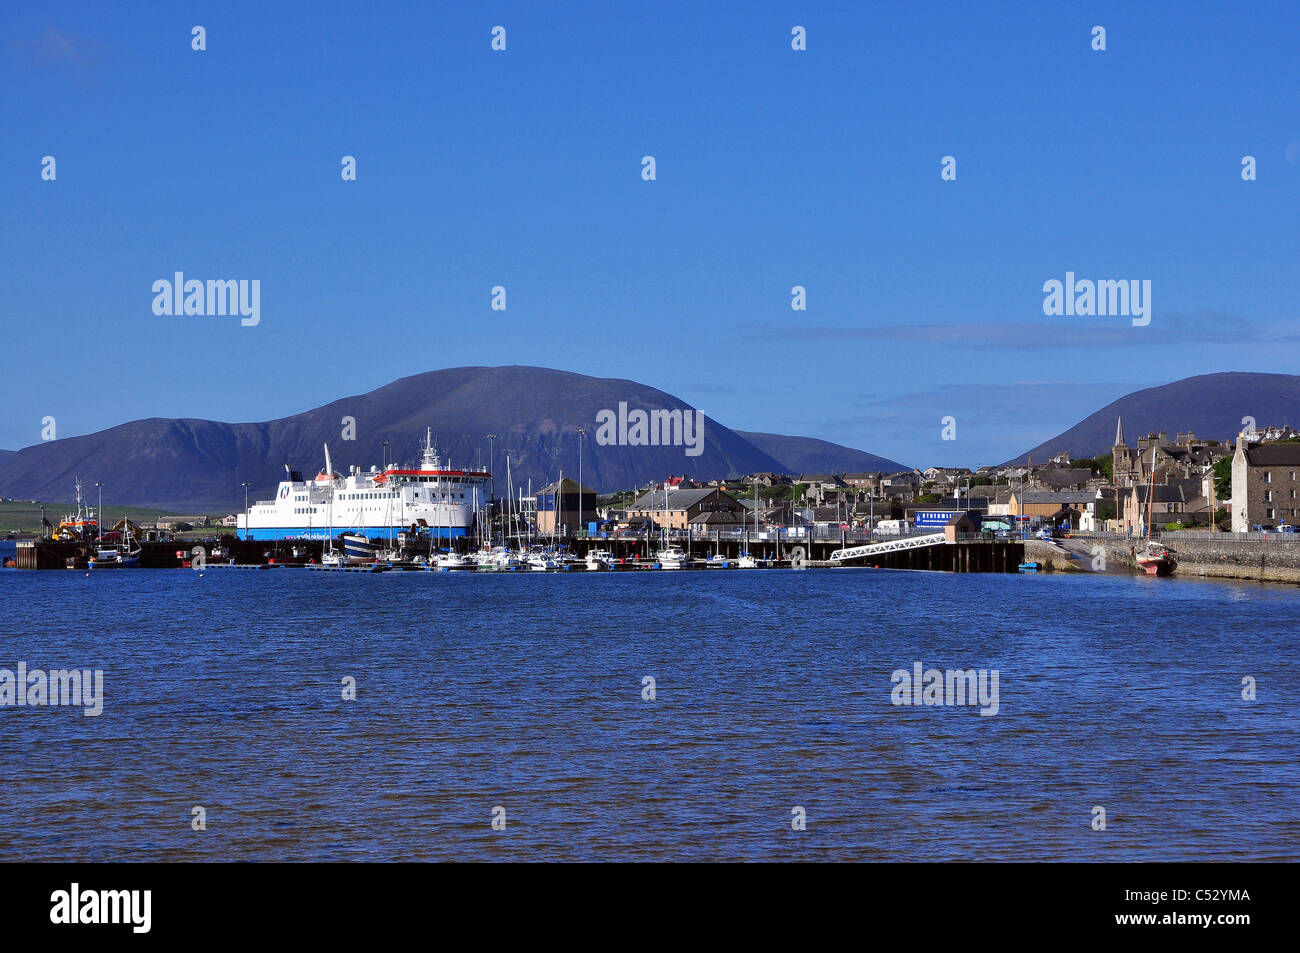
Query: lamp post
[[99, 513], [582, 434], [248, 533], [492, 471]]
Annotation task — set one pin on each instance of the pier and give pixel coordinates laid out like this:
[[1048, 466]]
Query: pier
[[923, 552]]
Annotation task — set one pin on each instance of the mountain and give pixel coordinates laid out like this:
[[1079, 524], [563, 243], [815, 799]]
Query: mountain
[[191, 464], [6, 454], [1211, 406], [810, 455]]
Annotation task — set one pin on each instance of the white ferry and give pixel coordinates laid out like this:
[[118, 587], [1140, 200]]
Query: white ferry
[[433, 498]]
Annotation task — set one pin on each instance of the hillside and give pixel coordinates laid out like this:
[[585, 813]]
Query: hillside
[[1211, 406], [810, 455], [194, 464]]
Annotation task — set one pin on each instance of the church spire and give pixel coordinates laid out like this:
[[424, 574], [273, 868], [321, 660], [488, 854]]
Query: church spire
[[1119, 432]]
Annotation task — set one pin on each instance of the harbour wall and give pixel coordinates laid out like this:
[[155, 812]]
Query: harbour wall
[[1276, 559]]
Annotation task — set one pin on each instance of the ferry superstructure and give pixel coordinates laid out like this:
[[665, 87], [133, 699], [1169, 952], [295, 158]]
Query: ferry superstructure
[[376, 504]]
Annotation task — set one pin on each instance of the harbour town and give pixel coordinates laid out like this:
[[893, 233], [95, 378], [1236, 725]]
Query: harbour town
[[1165, 505]]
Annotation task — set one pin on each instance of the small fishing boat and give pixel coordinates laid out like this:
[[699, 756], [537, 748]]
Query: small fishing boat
[[126, 555], [746, 561], [358, 549], [567, 562], [541, 561], [599, 560], [446, 562], [718, 561], [1156, 559], [1028, 567], [114, 559], [497, 559], [674, 557]]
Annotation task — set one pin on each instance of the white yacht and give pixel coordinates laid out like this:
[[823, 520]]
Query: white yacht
[[539, 561], [674, 557], [600, 559], [449, 561]]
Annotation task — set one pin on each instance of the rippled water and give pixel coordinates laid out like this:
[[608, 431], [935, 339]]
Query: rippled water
[[772, 691]]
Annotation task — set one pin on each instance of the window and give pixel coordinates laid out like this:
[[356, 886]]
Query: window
[[1268, 476], [1268, 496], [1269, 513]]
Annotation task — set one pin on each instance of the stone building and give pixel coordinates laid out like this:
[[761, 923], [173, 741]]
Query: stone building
[[1265, 488], [1183, 457]]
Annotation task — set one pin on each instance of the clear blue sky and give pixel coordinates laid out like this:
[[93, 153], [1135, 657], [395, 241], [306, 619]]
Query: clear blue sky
[[775, 168]]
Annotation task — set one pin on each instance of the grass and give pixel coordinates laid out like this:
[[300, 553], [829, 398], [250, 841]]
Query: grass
[[26, 517]]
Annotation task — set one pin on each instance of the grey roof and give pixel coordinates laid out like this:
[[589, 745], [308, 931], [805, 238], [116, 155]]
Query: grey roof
[[1065, 476], [677, 499], [1056, 496], [1163, 494], [1274, 455], [570, 486], [717, 516]]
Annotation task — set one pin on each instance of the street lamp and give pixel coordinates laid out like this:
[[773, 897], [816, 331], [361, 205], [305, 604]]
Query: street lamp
[[582, 434], [248, 533]]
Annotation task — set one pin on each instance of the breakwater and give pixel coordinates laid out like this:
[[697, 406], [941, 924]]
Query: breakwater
[[1276, 559]]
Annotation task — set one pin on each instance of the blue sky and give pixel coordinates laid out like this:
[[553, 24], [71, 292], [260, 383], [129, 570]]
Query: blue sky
[[775, 168]]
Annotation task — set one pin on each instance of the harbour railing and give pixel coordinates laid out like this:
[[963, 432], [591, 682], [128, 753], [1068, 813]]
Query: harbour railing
[[1205, 536]]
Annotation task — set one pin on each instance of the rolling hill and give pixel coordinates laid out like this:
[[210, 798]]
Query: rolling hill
[[810, 455], [193, 464], [1211, 406]]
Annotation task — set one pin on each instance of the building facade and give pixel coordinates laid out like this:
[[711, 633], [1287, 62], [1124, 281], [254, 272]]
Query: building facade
[[1265, 488]]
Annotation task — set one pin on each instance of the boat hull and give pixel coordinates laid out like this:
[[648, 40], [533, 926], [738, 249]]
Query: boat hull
[[1157, 567]]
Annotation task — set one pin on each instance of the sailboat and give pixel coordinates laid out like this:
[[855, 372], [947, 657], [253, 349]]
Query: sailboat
[[331, 557], [1155, 559]]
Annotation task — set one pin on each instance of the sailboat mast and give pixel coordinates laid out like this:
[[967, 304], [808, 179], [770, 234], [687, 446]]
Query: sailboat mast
[[1151, 491]]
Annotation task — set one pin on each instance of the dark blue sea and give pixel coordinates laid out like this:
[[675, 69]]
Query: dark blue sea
[[772, 689]]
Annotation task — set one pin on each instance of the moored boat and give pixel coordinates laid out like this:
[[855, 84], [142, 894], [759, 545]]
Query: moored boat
[[449, 561], [1156, 559], [599, 560], [674, 557]]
